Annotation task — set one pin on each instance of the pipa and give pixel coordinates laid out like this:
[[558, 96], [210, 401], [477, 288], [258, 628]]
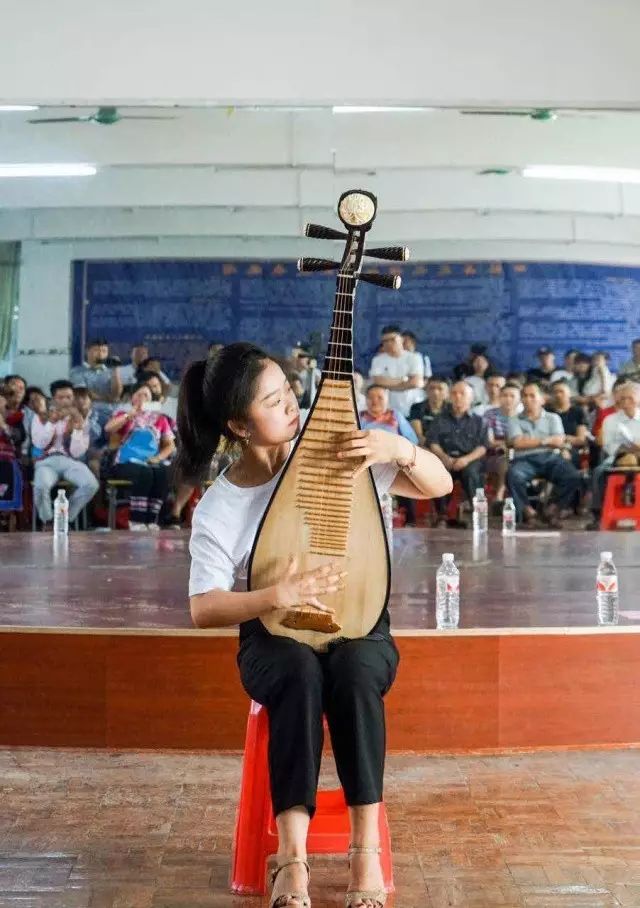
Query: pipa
[[317, 511]]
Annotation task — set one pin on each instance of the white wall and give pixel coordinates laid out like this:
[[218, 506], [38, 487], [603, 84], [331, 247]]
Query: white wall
[[443, 52], [44, 327]]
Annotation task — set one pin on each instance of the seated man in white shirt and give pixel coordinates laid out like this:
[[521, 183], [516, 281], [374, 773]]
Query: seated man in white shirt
[[620, 442], [397, 369], [62, 435]]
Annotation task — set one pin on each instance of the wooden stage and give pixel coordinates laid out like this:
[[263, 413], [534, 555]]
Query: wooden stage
[[97, 647]]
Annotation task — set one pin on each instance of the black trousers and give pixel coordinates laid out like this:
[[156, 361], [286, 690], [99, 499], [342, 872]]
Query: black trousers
[[297, 685], [471, 477], [148, 491]]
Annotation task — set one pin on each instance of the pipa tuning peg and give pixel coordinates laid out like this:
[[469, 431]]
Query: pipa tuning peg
[[393, 253], [307, 264], [391, 281], [318, 232]]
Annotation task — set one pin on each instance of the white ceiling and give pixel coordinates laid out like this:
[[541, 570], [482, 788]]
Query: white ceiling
[[266, 172]]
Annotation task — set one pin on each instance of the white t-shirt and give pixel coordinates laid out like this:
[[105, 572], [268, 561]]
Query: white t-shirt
[[403, 366], [224, 526]]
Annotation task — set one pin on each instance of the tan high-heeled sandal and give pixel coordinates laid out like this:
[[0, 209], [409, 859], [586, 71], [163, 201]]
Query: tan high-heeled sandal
[[280, 901], [353, 896]]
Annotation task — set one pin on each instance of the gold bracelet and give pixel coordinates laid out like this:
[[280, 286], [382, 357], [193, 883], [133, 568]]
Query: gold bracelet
[[408, 467]]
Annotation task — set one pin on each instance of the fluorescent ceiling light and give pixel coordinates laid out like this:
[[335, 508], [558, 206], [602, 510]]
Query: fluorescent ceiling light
[[15, 108], [348, 110], [571, 172], [47, 170]]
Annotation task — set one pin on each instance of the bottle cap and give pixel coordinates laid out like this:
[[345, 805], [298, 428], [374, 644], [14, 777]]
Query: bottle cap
[[447, 556], [606, 556]]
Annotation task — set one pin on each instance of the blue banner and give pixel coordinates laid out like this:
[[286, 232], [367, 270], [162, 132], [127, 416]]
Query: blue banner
[[178, 307]]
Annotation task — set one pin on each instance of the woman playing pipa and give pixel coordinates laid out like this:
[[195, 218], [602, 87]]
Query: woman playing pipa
[[290, 544]]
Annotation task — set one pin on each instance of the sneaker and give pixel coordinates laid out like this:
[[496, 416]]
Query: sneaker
[[137, 527], [153, 527]]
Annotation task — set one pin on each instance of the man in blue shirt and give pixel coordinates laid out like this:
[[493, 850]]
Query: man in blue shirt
[[538, 438]]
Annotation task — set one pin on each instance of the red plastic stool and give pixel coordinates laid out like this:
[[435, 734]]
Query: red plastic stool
[[614, 508], [256, 833]]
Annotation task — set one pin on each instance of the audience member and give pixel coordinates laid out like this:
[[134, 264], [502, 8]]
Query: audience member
[[517, 378], [423, 414], [465, 368], [459, 439], [580, 377], [620, 442], [494, 383], [477, 379], [309, 374], [546, 368], [398, 370], [574, 420], [103, 382], [11, 440], [601, 413], [410, 344], [16, 386], [145, 442], [597, 389], [139, 353], [62, 437], [378, 415], [496, 420], [160, 403], [631, 368], [537, 437], [95, 419], [567, 371]]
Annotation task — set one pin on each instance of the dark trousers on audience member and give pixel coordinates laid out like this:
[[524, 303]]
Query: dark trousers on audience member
[[297, 685], [150, 484], [472, 478], [561, 473]]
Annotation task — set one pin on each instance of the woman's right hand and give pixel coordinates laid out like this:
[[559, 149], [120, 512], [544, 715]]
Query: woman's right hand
[[295, 589]]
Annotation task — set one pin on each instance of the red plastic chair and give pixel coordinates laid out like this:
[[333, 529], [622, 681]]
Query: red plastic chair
[[614, 508], [256, 833]]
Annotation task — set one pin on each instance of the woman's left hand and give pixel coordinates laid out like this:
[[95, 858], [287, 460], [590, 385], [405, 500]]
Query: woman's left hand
[[152, 460], [374, 445]]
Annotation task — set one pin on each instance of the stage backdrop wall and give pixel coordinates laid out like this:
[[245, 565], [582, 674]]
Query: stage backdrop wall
[[178, 306]]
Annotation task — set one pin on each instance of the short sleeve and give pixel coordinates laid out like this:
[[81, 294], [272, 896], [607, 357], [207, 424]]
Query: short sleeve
[[556, 424], [514, 429], [383, 476], [435, 430], [164, 426], [376, 367], [416, 365], [211, 566]]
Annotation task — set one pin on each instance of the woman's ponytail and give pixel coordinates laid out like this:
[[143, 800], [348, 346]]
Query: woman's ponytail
[[212, 393], [198, 430]]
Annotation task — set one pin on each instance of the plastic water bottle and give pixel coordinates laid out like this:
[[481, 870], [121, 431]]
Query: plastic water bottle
[[61, 514], [480, 512], [447, 593], [508, 518], [607, 590]]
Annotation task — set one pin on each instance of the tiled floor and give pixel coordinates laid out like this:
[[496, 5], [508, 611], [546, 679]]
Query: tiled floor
[[96, 829]]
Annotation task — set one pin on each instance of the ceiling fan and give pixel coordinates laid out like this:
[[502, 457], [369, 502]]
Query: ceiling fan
[[539, 114], [104, 116]]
